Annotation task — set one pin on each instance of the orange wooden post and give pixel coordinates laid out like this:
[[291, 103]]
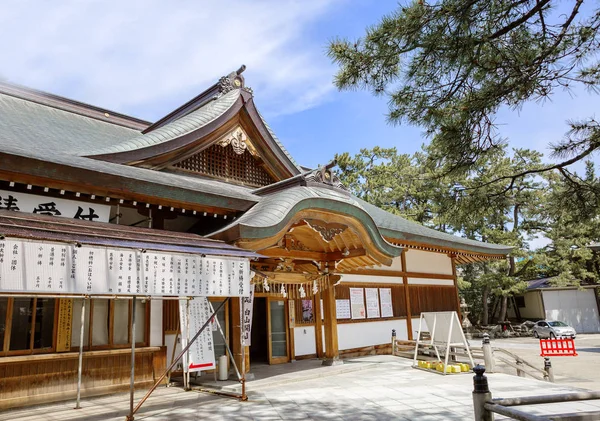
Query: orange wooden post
[[332, 353]]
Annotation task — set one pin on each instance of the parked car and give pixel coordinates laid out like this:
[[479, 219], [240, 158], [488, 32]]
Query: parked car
[[553, 329]]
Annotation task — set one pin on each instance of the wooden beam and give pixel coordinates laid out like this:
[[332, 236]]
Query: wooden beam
[[294, 254], [318, 325], [236, 331], [406, 298], [312, 255]]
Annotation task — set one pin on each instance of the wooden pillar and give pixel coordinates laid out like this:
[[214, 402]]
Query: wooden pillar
[[455, 277], [332, 353], [318, 325], [406, 297], [236, 333]]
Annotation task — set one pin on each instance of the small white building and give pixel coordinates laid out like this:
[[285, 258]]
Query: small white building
[[576, 306]]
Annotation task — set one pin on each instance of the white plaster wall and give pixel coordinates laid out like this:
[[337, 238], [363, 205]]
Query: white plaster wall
[[427, 281], [395, 266], [372, 279], [305, 342], [156, 323], [574, 307], [428, 262], [358, 335], [534, 308]]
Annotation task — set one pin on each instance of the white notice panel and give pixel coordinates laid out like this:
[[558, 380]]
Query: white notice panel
[[201, 355], [342, 309], [385, 295], [38, 267], [372, 298], [357, 303]]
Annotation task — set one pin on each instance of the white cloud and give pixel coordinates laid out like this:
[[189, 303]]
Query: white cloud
[[139, 55]]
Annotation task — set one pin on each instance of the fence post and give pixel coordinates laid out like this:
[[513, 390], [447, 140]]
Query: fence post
[[481, 394], [488, 357], [520, 373], [393, 341], [548, 369]]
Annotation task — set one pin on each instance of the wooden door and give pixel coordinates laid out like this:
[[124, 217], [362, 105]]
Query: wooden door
[[278, 331]]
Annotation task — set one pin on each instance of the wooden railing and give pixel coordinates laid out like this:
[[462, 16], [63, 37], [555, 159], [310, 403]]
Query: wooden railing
[[484, 407]]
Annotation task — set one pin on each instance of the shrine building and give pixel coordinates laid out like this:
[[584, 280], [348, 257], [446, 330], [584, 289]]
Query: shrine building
[[332, 275]]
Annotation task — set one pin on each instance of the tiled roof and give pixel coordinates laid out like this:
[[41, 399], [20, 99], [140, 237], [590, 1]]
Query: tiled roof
[[48, 131], [186, 124], [273, 210]]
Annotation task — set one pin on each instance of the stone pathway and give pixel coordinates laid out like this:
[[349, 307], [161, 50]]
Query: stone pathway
[[387, 388]]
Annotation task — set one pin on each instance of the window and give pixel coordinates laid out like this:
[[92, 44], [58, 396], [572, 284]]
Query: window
[[107, 324], [27, 325]]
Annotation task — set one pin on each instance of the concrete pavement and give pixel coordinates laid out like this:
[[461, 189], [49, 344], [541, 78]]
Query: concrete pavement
[[380, 388]]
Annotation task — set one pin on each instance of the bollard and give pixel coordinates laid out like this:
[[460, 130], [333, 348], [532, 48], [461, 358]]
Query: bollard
[[393, 341], [481, 395], [548, 369], [488, 357]]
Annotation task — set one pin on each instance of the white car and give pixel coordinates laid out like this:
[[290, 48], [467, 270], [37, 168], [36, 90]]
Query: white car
[[553, 329]]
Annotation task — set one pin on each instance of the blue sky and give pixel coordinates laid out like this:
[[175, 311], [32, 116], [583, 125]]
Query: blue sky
[[145, 58]]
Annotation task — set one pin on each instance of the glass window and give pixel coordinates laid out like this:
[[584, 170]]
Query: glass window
[[140, 321], [100, 320], [557, 324], [20, 334], [121, 322], [3, 311], [76, 325], [43, 329]]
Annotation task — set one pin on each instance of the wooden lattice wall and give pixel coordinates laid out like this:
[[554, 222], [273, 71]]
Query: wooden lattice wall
[[222, 162]]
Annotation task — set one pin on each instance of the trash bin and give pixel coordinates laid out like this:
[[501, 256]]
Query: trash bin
[[223, 372]]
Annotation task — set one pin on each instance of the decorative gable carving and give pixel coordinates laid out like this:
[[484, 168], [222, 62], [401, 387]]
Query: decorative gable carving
[[231, 158], [238, 141]]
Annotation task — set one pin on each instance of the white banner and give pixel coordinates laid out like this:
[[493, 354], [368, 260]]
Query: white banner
[[31, 266], [247, 306], [44, 205], [357, 303], [372, 298], [201, 355], [385, 295]]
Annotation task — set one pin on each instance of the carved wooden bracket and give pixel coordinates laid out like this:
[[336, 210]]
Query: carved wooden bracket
[[328, 231], [238, 141]]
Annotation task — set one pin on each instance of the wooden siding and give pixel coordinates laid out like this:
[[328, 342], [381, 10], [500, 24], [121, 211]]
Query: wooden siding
[[425, 298], [47, 378]]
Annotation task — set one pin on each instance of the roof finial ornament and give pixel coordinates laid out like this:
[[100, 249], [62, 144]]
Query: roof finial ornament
[[233, 80], [325, 176]]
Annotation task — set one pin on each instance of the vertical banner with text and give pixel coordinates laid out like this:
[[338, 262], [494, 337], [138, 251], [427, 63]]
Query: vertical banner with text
[[201, 355]]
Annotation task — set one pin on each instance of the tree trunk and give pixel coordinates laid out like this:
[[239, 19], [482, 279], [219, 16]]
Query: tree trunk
[[503, 308], [484, 302]]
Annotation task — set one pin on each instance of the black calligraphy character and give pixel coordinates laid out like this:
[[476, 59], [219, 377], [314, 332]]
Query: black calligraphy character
[[47, 209], [10, 203], [90, 216]]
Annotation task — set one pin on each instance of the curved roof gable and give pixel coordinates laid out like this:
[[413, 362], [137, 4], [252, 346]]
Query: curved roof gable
[[275, 210], [198, 125]]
